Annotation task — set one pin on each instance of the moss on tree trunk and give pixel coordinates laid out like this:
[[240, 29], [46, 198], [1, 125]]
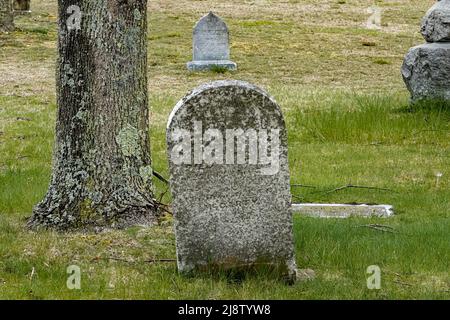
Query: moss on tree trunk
[[102, 174]]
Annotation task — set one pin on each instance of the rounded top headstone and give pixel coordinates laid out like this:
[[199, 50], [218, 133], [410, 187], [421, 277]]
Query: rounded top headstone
[[210, 96], [229, 177], [436, 23]]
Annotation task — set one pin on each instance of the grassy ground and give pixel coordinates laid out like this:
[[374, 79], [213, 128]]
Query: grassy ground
[[348, 120]]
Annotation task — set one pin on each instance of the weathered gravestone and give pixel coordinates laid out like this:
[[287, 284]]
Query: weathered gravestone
[[229, 179], [211, 45]]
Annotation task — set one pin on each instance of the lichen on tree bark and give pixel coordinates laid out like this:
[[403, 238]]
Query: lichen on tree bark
[[101, 159]]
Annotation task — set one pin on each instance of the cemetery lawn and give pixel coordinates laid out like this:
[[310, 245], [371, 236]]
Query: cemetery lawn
[[348, 122]]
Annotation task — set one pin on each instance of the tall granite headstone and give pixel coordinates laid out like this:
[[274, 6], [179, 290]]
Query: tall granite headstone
[[426, 68], [211, 45], [229, 178]]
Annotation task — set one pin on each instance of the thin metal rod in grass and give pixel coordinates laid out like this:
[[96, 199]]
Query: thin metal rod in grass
[[160, 177], [302, 186], [299, 198], [379, 227], [349, 186], [129, 261]]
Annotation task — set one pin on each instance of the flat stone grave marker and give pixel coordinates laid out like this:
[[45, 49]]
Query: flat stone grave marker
[[229, 178], [322, 210], [211, 45]]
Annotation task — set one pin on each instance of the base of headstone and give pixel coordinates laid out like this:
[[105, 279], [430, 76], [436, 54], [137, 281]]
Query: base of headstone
[[319, 210], [426, 70], [21, 12], [210, 64]]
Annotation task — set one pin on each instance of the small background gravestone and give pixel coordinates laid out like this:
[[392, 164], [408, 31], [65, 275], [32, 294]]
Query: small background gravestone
[[426, 68], [231, 209], [21, 6], [6, 16], [211, 45]]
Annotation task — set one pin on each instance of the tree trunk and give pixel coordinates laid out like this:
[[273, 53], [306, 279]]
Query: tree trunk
[[102, 174], [21, 5], [6, 16]]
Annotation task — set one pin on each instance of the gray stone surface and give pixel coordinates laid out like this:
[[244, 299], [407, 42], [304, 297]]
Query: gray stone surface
[[320, 210], [436, 23], [426, 71], [211, 44], [230, 213]]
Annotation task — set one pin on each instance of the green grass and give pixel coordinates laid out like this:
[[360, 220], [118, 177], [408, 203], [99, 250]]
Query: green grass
[[219, 69], [348, 121]]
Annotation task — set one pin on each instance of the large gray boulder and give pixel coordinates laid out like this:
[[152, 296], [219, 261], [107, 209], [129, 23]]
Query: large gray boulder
[[436, 23], [426, 71]]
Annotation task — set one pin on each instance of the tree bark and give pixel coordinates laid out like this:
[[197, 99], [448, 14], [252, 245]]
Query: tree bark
[[102, 174], [6, 16]]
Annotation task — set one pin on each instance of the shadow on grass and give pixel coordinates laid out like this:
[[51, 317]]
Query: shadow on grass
[[427, 106], [240, 274]]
